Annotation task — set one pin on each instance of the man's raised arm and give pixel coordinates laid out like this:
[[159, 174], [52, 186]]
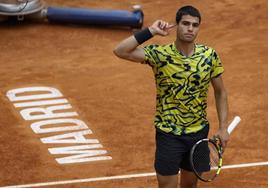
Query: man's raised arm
[[129, 48]]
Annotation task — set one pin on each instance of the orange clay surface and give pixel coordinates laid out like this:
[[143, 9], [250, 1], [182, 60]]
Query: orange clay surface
[[116, 98]]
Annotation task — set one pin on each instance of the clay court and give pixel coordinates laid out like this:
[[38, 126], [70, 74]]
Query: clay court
[[116, 98]]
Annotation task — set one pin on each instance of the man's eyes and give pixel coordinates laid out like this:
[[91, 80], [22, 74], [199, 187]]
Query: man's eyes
[[189, 23], [186, 23]]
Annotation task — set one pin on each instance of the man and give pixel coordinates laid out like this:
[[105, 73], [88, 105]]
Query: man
[[183, 71]]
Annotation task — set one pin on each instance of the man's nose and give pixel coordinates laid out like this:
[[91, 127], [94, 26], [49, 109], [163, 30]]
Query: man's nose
[[190, 28]]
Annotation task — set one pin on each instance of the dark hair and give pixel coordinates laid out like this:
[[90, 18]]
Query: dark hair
[[187, 10]]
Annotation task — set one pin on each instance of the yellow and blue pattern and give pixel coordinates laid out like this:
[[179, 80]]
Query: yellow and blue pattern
[[182, 86]]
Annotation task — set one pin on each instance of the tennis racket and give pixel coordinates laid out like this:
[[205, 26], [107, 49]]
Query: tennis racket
[[206, 155]]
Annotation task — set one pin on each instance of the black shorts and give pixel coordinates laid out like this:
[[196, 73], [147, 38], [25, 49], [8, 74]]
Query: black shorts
[[173, 152]]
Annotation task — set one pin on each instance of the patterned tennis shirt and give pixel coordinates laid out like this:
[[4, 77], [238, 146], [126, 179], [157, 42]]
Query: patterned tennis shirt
[[182, 86]]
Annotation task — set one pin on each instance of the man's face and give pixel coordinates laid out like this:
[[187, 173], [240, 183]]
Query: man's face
[[188, 28]]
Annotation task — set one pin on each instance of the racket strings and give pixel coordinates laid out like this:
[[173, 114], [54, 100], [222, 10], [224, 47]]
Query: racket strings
[[206, 160]]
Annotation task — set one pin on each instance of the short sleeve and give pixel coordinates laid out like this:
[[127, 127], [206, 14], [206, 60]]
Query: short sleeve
[[217, 67], [150, 54]]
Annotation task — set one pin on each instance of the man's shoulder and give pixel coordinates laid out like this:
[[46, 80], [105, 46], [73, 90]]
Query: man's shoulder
[[158, 46], [203, 47], [166, 49]]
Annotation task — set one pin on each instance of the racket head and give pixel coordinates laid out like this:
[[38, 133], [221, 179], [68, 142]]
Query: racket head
[[206, 159]]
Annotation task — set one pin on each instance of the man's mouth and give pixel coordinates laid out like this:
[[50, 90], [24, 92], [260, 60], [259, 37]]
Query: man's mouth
[[189, 34]]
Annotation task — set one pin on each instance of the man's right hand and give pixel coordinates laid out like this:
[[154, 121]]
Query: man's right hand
[[160, 27]]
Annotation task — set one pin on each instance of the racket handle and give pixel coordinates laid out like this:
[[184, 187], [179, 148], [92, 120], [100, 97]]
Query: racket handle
[[233, 124]]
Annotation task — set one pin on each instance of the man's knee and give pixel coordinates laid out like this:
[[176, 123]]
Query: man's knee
[[167, 181], [188, 179]]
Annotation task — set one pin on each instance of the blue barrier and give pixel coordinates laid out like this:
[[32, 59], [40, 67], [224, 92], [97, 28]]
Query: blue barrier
[[96, 17]]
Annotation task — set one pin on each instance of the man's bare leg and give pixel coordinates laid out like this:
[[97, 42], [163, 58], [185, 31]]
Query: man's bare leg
[[188, 179], [167, 181]]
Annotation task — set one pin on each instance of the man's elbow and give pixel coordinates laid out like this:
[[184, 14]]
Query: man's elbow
[[118, 52]]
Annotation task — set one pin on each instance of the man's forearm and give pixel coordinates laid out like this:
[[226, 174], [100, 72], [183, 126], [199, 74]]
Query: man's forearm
[[127, 45], [222, 108], [128, 48]]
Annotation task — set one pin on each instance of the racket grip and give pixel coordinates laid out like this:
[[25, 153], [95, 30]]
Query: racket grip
[[233, 124]]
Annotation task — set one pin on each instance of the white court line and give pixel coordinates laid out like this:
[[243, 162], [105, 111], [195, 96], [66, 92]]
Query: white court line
[[121, 177]]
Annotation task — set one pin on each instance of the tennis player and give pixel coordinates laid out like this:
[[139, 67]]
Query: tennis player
[[183, 71]]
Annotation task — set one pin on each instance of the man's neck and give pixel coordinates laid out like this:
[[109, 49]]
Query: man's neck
[[185, 48]]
